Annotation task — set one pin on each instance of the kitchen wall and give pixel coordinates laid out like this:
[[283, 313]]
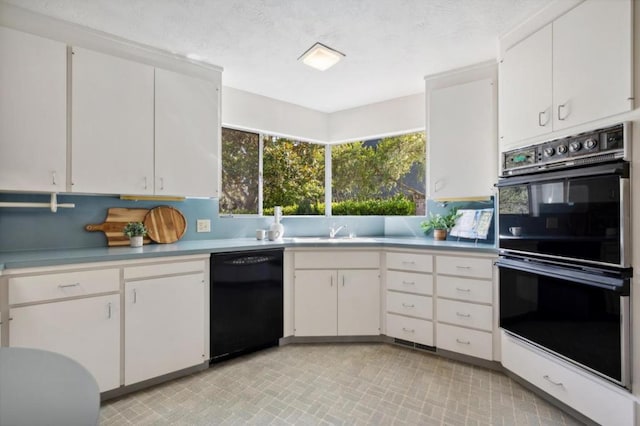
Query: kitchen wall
[[38, 228], [248, 111]]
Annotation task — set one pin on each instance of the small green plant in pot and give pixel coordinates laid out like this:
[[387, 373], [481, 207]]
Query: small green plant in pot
[[136, 232], [440, 224]]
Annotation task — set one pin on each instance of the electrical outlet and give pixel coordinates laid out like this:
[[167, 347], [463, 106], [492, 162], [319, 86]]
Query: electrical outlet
[[203, 225]]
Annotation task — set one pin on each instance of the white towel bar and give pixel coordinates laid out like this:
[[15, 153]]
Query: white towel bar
[[53, 204]]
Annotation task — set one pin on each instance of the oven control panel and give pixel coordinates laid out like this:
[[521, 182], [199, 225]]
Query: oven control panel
[[585, 148]]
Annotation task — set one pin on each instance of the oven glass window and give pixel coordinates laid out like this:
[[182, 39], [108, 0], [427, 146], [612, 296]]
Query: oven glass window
[[576, 218], [577, 321]]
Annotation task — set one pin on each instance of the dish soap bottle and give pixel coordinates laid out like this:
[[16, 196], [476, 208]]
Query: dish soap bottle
[[276, 230]]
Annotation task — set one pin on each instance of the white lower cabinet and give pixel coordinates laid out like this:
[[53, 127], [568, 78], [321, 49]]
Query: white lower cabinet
[[464, 305], [86, 330], [409, 301], [332, 299], [602, 402], [358, 302], [315, 303], [411, 329], [337, 303], [164, 325], [77, 311], [465, 341]]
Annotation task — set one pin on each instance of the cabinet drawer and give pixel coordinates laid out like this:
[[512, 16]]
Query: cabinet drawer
[[465, 341], [596, 399], [410, 282], [63, 285], [410, 262], [467, 289], [160, 269], [465, 314], [410, 304], [465, 266], [411, 329], [337, 260]]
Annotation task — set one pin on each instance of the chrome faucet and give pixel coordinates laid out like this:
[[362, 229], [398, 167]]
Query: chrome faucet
[[333, 231]]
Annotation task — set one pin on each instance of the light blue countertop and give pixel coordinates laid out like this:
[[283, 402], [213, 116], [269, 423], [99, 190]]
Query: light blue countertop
[[36, 258]]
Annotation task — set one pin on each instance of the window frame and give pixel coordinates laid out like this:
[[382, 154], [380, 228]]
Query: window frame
[[328, 172]]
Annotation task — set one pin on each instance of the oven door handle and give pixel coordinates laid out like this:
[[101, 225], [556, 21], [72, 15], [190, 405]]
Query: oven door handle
[[619, 168], [619, 285]]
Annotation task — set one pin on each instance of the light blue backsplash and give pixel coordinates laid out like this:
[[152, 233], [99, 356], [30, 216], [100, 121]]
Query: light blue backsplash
[[38, 228], [402, 226], [35, 229]]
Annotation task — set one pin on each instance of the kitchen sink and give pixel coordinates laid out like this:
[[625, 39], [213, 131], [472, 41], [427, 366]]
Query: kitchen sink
[[334, 240]]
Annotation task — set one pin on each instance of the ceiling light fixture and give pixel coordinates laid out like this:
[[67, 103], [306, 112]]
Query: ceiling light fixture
[[321, 57]]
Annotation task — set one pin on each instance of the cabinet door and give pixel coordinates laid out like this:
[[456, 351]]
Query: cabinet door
[[112, 124], [315, 303], [187, 129], [358, 302], [86, 330], [462, 145], [592, 62], [164, 326], [33, 112], [525, 89]]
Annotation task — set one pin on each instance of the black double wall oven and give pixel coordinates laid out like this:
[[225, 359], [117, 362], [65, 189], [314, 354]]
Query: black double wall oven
[[564, 249]]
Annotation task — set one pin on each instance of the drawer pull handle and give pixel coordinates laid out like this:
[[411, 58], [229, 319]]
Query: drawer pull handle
[[69, 285], [409, 282], [463, 342], [464, 290], [550, 380], [331, 280], [463, 315], [408, 330], [407, 305], [135, 296], [109, 310], [408, 262], [463, 267]]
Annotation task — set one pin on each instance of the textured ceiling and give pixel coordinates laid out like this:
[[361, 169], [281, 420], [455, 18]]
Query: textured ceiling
[[390, 45]]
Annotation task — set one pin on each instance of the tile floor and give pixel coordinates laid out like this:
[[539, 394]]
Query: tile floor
[[335, 384]]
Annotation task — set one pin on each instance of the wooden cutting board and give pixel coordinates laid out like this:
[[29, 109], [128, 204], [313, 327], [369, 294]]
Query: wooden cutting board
[[115, 222], [165, 224]]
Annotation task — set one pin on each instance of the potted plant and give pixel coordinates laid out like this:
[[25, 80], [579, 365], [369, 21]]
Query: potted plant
[[440, 224], [135, 231]]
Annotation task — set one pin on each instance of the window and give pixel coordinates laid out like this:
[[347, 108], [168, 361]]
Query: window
[[377, 177], [240, 172], [293, 176]]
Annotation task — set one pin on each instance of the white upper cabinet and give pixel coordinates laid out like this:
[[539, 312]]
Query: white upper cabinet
[[592, 62], [112, 124], [525, 88], [187, 126], [461, 135], [575, 70], [33, 107]]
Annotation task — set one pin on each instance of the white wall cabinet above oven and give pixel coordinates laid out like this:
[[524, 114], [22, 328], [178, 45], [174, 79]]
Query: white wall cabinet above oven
[[137, 129], [33, 108], [574, 70]]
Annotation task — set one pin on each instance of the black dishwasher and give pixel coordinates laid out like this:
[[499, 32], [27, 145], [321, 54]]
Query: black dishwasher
[[246, 302]]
